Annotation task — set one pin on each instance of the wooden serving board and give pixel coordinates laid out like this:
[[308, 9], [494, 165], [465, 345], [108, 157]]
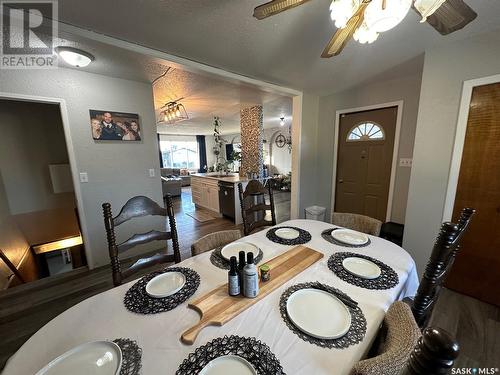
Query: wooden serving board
[[217, 307]]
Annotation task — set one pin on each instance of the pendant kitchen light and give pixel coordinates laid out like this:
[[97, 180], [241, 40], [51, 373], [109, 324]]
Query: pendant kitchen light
[[74, 56], [427, 7], [383, 15], [342, 10], [173, 112]]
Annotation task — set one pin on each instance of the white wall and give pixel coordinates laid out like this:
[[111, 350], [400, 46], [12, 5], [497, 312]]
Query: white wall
[[32, 138], [445, 70], [308, 163], [116, 170], [280, 158], [403, 86]]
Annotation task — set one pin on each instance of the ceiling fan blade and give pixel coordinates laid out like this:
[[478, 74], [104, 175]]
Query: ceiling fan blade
[[453, 15], [274, 7], [342, 36]]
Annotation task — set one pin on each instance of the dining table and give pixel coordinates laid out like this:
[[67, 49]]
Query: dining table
[[104, 316]]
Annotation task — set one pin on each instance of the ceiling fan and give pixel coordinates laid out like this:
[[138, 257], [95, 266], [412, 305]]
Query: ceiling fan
[[363, 20]]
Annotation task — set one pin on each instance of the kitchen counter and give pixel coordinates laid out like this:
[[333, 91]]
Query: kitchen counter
[[231, 177], [218, 193]]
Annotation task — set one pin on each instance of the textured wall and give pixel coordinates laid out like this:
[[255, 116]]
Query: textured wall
[[252, 129], [116, 170]]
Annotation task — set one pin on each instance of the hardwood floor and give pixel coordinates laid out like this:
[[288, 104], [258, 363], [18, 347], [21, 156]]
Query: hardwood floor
[[474, 324], [26, 308]]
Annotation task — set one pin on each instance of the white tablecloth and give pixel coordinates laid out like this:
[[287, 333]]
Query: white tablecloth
[[105, 317]]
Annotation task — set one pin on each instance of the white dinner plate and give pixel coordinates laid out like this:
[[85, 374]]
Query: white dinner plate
[[97, 357], [228, 365], [361, 267], [234, 248], [166, 284], [318, 313], [350, 237], [287, 233]]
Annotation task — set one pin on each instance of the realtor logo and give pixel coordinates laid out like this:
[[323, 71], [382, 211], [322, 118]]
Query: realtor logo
[[29, 28]]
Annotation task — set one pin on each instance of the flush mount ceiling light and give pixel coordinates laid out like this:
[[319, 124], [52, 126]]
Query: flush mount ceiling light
[[364, 19], [74, 56], [173, 112], [383, 15]]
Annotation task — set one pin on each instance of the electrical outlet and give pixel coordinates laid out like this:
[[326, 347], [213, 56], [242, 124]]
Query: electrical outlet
[[405, 162], [84, 177], [151, 173]]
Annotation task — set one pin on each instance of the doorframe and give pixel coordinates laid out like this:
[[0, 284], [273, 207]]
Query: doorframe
[[458, 145], [71, 155], [395, 151]]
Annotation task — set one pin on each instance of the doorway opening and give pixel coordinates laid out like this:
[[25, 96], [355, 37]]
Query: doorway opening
[[39, 227]]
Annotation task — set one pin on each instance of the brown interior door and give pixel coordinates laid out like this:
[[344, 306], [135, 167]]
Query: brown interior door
[[476, 271], [364, 163]]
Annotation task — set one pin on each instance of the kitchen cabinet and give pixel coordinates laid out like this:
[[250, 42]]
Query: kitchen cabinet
[[205, 193]]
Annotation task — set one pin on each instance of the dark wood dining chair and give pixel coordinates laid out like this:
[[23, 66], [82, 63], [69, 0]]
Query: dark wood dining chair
[[136, 207], [434, 353], [439, 265], [214, 240], [254, 206]]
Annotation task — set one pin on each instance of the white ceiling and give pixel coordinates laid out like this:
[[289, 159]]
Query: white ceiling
[[204, 95], [283, 49]]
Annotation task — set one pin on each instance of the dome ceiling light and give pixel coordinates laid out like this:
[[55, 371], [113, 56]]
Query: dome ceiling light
[[74, 56], [363, 20]]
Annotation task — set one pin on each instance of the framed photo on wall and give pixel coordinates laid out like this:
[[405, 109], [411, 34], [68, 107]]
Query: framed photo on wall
[[114, 126]]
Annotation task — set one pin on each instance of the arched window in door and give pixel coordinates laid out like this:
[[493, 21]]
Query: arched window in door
[[366, 131]]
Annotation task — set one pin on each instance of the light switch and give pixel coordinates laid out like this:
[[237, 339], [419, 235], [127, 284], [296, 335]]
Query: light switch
[[84, 177], [151, 173], [405, 162]]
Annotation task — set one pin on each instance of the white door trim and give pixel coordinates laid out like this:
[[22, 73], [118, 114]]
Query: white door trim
[[71, 155], [399, 105], [458, 146]]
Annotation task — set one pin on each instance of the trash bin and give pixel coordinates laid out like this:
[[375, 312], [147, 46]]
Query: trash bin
[[315, 213]]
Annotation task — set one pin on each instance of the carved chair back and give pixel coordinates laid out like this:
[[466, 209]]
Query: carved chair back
[[254, 207], [136, 207], [439, 265], [434, 353]]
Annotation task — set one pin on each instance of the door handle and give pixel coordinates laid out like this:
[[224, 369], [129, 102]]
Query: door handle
[[341, 181]]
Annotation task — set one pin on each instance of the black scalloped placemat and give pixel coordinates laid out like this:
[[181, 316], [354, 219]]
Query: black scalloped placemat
[[355, 334], [304, 236], [131, 356], [388, 277], [327, 235], [249, 348], [219, 261], [137, 300]]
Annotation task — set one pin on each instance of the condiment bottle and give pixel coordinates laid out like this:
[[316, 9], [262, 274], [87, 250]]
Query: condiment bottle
[[265, 272], [250, 278], [241, 264], [233, 282]]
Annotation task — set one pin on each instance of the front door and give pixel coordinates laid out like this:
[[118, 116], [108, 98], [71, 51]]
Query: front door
[[476, 271], [366, 143]]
